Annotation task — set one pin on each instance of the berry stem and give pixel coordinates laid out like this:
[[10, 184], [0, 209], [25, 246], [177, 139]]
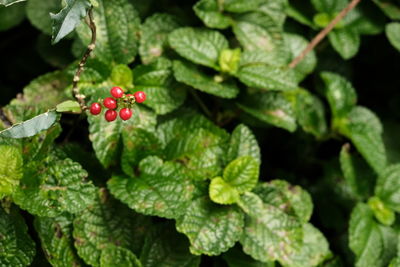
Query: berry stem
[[322, 34], [75, 90]]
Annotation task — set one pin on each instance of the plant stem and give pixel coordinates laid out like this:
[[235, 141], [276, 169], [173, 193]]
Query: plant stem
[[322, 34], [201, 104], [75, 90]]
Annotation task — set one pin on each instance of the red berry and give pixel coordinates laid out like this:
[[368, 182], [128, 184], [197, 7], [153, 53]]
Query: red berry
[[140, 96], [110, 115], [117, 92], [125, 113], [95, 108], [110, 103]]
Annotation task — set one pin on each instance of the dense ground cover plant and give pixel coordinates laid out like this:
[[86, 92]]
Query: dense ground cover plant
[[199, 133]]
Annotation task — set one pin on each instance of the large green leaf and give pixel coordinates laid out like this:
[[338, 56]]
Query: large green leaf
[[10, 2], [153, 40], [54, 186], [113, 255], [209, 12], [117, 24], [269, 233], [161, 189], [243, 143], [372, 243], [38, 11], [11, 16], [11, 172], [393, 34], [190, 74], [200, 46], [222, 192], [242, 173], [16, 246], [56, 239], [388, 186], [294, 200], [107, 222], [270, 107], [68, 18], [211, 229], [164, 247], [241, 6], [345, 41]]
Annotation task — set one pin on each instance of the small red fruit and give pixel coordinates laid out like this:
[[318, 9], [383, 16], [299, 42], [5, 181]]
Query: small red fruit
[[140, 96], [125, 113], [95, 108], [117, 92], [110, 115], [110, 103]]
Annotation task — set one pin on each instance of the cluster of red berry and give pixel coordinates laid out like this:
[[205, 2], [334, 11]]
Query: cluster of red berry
[[119, 99]]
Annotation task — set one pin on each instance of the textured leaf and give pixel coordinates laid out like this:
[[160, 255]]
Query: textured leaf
[[107, 222], [68, 18], [190, 74], [164, 247], [267, 77], [211, 229], [200, 46], [222, 192], [154, 38], [329, 6], [121, 75], [272, 108], [38, 11], [69, 106], [345, 41], [117, 24], [243, 143], [118, 256], [56, 239], [54, 186], [11, 172], [241, 6], [381, 211], [269, 233], [291, 199], [208, 11], [242, 173], [340, 94], [388, 186], [10, 2], [11, 16], [393, 34], [31, 127], [373, 244], [229, 60], [16, 246], [161, 189]]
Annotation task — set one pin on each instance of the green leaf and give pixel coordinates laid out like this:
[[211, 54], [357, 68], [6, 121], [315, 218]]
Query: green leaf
[[156, 79], [10, 2], [229, 60], [38, 11], [56, 239], [68, 18], [31, 127], [160, 190], [329, 6], [209, 12], [121, 75], [11, 172], [222, 192], [358, 175], [241, 6], [267, 77], [382, 213], [294, 200], [365, 131], [269, 233], [345, 41], [372, 243], [107, 222], [211, 229], [164, 247], [154, 38], [390, 9], [16, 246], [54, 186], [243, 143], [270, 107], [190, 74], [340, 94], [393, 34], [117, 23], [201, 46], [117, 256], [11, 16], [69, 106], [242, 173], [235, 257], [388, 187]]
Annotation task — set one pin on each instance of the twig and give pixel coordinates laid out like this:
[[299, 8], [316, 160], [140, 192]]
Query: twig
[[75, 90], [201, 104], [321, 35]]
